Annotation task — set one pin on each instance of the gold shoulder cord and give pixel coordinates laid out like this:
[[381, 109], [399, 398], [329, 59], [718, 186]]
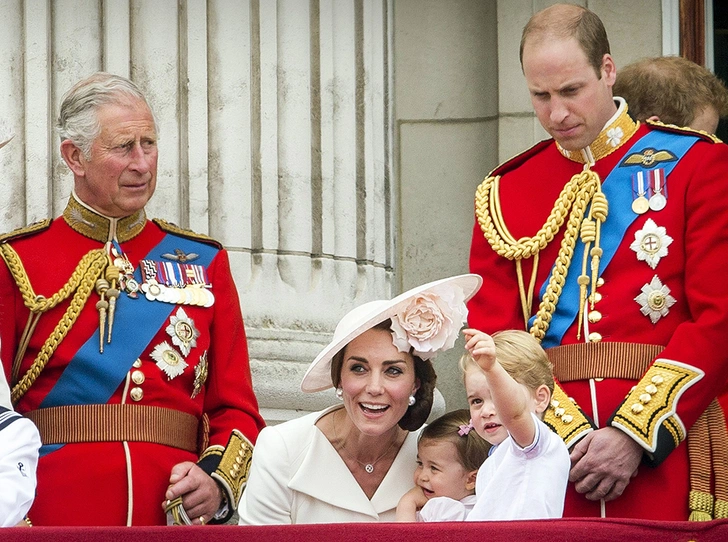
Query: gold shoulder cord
[[81, 282], [582, 189]]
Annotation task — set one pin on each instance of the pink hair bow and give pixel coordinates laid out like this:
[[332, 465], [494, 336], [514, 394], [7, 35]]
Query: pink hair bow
[[465, 429]]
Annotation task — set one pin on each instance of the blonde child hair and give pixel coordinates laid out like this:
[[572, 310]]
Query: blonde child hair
[[455, 427], [522, 357]]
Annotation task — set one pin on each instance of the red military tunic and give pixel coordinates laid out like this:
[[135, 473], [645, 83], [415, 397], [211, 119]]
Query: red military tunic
[[692, 330], [124, 482]]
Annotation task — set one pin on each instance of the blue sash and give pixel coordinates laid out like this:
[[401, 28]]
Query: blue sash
[[92, 377], [617, 187]]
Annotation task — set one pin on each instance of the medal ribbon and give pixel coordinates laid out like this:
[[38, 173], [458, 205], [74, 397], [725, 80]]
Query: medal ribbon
[[92, 377], [617, 187]]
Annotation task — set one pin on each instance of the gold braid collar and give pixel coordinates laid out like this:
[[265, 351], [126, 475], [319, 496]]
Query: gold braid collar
[[93, 225]]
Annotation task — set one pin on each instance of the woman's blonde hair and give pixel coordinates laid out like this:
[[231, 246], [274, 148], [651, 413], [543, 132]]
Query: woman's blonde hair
[[522, 356]]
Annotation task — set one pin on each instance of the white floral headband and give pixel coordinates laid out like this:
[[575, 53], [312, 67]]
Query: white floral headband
[[430, 322]]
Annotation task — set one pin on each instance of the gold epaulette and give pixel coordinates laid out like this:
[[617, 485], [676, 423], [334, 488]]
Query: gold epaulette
[[648, 413], [565, 418], [26, 231], [673, 128], [183, 232]]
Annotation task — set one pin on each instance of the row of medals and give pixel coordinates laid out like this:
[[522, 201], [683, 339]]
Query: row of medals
[[190, 294]]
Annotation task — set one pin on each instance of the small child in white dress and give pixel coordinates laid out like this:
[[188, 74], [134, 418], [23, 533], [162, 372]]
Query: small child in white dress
[[449, 454], [509, 382]]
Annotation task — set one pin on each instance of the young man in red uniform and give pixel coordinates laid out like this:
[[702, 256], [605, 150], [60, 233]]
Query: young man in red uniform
[[123, 338], [607, 243]]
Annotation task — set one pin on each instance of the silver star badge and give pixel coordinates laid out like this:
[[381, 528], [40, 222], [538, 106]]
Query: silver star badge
[[655, 300], [168, 360], [183, 331], [650, 243]]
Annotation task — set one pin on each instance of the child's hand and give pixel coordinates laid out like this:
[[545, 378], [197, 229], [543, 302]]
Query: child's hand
[[410, 503], [481, 347]]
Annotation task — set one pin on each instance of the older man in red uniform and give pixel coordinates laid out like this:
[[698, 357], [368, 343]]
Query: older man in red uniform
[[622, 229], [123, 338]]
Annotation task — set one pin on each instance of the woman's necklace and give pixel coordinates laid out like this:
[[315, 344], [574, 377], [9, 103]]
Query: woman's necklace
[[368, 467]]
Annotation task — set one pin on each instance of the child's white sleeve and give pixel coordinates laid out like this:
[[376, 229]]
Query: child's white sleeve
[[19, 445], [442, 509]]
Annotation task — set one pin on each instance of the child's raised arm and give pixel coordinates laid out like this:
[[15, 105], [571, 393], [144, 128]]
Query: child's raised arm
[[510, 398]]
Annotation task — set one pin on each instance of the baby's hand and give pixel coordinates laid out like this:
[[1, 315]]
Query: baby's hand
[[416, 497], [410, 503], [481, 347]]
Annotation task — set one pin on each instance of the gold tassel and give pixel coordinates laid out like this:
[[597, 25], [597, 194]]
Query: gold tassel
[[701, 506], [721, 509]]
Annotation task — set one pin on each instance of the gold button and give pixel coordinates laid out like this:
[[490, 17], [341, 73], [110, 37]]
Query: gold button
[[594, 337], [594, 316], [558, 412], [657, 380], [637, 408], [645, 398], [136, 394], [137, 364], [600, 282], [598, 379], [596, 298], [554, 403], [138, 377], [651, 389], [567, 418]]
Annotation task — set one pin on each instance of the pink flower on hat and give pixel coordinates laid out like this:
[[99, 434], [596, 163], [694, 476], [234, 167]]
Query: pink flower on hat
[[430, 322]]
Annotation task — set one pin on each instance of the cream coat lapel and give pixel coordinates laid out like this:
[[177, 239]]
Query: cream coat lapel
[[324, 476]]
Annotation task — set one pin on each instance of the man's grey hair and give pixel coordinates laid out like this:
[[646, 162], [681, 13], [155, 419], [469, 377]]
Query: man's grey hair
[[78, 119]]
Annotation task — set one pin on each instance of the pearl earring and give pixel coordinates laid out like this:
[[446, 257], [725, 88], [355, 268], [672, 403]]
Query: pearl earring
[[340, 394], [411, 401]]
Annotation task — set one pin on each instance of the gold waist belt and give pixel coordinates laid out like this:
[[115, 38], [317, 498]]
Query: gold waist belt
[[602, 360], [116, 423]]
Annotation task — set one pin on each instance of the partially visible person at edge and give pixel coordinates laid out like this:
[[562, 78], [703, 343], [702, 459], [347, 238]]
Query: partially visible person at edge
[[19, 444], [603, 242], [673, 90], [449, 454], [353, 462], [123, 338]]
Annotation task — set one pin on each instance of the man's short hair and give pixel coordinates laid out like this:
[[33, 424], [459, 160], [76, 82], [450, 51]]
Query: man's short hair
[[563, 21], [78, 120], [670, 87]]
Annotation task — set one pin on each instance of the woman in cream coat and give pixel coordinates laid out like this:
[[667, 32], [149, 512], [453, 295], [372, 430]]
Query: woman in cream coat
[[353, 462]]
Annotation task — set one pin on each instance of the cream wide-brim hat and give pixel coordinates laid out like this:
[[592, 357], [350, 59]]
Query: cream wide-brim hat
[[366, 316]]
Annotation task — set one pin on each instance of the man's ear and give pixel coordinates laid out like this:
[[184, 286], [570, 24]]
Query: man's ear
[[609, 70], [470, 481], [73, 157], [543, 398]]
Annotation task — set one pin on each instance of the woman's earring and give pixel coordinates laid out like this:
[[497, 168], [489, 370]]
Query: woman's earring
[[340, 394], [411, 400]]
